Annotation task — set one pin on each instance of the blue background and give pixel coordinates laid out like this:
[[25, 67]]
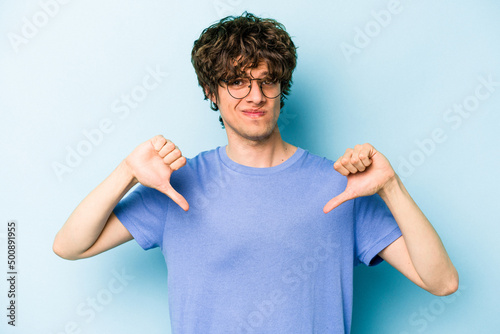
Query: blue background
[[384, 72]]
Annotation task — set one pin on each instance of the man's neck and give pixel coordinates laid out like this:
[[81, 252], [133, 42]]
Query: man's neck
[[265, 153]]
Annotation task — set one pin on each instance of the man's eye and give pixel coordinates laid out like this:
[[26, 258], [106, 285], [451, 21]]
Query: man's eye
[[269, 81], [237, 83]]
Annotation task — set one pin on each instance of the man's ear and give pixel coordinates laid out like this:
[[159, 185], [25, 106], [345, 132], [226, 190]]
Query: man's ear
[[210, 95]]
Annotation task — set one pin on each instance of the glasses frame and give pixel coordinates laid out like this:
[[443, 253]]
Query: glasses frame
[[250, 86]]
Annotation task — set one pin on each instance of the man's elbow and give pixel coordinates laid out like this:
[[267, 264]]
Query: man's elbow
[[448, 287], [62, 252]]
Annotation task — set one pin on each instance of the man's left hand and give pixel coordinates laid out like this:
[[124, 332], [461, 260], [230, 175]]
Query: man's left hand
[[367, 171]]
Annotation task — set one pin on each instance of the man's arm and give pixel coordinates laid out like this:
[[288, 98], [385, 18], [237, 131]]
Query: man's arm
[[92, 228], [419, 254]]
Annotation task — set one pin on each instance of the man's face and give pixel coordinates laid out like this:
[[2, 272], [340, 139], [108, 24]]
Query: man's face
[[253, 117]]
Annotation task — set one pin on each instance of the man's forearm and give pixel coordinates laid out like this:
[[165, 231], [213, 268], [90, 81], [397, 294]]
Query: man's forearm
[[87, 221], [427, 253]]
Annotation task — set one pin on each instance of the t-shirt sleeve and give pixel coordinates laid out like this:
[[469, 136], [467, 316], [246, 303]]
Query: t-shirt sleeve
[[143, 212], [375, 229]]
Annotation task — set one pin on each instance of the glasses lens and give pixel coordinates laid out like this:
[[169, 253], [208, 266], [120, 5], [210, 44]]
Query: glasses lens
[[271, 89], [240, 88]]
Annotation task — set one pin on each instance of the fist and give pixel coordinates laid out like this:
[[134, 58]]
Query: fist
[[367, 171], [153, 162]]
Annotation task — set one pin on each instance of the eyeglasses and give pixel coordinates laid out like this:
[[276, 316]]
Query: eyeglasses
[[241, 87]]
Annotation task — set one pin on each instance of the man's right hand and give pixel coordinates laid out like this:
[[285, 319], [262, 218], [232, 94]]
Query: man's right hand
[[152, 164]]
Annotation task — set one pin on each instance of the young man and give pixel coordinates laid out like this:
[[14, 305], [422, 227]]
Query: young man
[[258, 236]]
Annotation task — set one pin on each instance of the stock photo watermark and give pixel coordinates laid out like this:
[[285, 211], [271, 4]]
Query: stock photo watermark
[[292, 278], [31, 26], [420, 320], [452, 116], [87, 310], [285, 118], [226, 7], [122, 108], [12, 272], [363, 36]]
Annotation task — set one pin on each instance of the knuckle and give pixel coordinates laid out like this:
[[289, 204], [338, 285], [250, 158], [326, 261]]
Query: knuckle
[[169, 145], [157, 142], [178, 163]]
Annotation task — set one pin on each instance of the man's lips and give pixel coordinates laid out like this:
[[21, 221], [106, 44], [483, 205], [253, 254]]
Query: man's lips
[[254, 113]]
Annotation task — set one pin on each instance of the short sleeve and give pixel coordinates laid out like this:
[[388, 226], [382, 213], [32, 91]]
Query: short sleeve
[[143, 212], [375, 229]]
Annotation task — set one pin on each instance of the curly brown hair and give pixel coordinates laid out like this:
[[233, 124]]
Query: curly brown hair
[[234, 44]]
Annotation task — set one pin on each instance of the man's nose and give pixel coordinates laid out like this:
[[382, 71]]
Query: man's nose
[[255, 95]]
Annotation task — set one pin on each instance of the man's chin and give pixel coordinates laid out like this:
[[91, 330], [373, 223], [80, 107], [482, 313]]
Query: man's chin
[[255, 133], [260, 136]]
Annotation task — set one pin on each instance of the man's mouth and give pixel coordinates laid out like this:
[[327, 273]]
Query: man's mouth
[[254, 113]]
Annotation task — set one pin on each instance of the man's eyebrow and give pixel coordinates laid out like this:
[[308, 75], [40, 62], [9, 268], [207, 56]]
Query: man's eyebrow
[[263, 74]]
